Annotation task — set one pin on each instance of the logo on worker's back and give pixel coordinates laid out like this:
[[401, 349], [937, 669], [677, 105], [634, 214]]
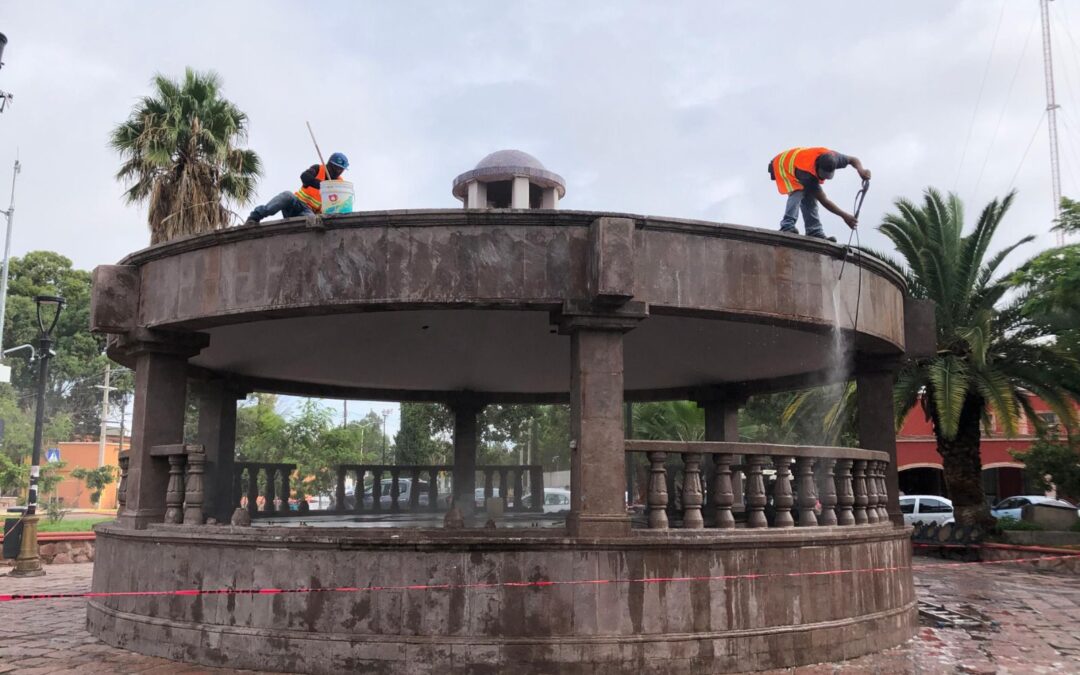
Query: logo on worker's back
[[52, 455]]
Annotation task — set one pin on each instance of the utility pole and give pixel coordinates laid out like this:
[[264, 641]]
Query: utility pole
[[385, 414], [104, 414], [1051, 114], [10, 213], [344, 413]]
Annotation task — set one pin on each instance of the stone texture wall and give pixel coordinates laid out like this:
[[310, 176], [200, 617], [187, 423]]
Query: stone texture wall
[[623, 626]]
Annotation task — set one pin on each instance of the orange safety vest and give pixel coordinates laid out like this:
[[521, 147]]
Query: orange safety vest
[[786, 162], [310, 196]]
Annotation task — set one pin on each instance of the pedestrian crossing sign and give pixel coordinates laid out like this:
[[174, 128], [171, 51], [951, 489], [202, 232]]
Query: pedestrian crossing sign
[[52, 455]]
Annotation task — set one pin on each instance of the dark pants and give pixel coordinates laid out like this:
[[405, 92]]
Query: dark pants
[[286, 203]]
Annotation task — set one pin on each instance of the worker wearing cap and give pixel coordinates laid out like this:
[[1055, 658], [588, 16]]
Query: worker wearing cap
[[799, 173], [307, 199]]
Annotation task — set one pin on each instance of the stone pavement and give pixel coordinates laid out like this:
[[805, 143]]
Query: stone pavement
[[1032, 627]]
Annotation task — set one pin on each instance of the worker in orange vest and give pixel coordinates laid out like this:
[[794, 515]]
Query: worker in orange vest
[[307, 199], [799, 173]]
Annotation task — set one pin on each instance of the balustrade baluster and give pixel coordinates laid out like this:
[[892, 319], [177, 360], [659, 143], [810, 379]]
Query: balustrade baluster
[[755, 491], [658, 494], [395, 489], [845, 494], [806, 490], [722, 495], [826, 491], [253, 489], [518, 486], [536, 486], [692, 495], [872, 496], [121, 487], [339, 495], [238, 485], [503, 489], [861, 498], [193, 488], [782, 498], [433, 489], [174, 495], [285, 491], [414, 490], [271, 488], [376, 488], [883, 492]]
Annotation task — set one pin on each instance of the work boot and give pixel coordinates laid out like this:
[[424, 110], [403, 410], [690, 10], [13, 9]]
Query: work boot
[[251, 221], [822, 236]]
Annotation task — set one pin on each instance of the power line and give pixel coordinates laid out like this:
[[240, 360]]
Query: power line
[[978, 99], [1004, 109], [1026, 150]]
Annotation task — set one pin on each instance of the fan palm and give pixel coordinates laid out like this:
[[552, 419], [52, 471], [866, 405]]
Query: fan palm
[[990, 358], [179, 148]]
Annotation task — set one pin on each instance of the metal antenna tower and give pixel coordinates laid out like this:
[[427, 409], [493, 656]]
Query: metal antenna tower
[[1051, 114]]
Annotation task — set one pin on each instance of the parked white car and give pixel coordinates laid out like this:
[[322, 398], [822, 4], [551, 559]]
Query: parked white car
[[556, 500], [927, 509], [1011, 507]]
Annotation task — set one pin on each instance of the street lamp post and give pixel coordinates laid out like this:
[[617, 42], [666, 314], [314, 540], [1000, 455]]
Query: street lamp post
[[28, 563]]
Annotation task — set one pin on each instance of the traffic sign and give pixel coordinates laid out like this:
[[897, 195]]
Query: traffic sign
[[52, 455]]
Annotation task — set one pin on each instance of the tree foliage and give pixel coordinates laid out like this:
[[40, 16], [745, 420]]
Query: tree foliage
[[180, 155], [310, 438], [96, 480], [990, 355], [1053, 464]]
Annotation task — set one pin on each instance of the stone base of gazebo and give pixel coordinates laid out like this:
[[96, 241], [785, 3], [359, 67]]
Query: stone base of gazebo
[[663, 601]]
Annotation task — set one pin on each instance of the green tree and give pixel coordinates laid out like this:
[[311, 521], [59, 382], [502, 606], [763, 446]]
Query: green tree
[[181, 156], [425, 434], [96, 480], [669, 421], [989, 355], [79, 365], [1053, 463]]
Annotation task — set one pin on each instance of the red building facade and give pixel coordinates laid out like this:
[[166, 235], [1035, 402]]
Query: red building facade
[[1003, 475]]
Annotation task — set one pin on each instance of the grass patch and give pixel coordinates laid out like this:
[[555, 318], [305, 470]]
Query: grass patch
[[72, 524]]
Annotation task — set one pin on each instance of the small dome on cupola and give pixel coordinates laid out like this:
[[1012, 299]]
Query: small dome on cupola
[[509, 179]]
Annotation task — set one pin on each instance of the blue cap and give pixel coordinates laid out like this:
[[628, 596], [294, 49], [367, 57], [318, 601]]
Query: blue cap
[[340, 160]]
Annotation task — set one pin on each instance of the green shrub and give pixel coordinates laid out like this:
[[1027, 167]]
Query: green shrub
[[1008, 523]]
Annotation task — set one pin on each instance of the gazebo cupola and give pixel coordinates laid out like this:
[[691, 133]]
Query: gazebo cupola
[[509, 179]]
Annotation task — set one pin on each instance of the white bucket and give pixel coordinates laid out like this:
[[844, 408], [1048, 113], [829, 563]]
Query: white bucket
[[337, 196]]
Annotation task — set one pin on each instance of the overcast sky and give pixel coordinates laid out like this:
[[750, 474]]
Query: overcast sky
[[669, 108]]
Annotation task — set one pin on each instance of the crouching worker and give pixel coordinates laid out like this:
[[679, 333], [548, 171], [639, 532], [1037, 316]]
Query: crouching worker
[[799, 173], [307, 199]]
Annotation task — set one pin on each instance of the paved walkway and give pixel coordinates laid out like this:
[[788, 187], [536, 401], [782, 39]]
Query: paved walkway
[[1032, 627]]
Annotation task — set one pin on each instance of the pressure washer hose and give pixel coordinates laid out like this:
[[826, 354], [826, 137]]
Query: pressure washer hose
[[859, 197]]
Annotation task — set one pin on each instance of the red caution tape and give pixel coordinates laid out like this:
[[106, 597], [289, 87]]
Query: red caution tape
[[12, 597]]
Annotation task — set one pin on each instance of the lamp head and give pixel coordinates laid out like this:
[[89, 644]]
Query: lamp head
[[48, 312]]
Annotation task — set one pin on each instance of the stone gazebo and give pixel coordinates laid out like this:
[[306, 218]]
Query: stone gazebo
[[489, 305]]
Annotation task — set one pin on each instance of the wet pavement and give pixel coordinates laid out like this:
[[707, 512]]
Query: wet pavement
[[1015, 620]]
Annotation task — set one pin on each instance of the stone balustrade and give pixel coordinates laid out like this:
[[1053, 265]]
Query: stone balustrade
[[512, 485], [393, 488], [267, 482], [808, 486]]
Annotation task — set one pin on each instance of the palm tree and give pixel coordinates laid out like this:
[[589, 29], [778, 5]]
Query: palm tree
[[180, 154], [990, 357]]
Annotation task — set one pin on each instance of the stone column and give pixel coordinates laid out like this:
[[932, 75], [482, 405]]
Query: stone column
[[519, 195], [550, 198], [598, 453], [477, 196], [217, 434], [466, 438], [158, 417], [877, 424]]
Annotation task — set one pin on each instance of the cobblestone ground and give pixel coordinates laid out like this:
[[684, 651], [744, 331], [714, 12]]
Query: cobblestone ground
[[1032, 626]]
